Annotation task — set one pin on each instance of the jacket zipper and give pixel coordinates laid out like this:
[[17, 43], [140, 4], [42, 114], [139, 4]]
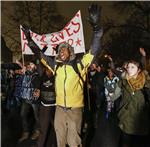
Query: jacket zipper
[[65, 85]]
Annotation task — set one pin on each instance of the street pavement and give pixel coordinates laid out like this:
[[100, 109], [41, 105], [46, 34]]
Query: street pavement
[[106, 134]]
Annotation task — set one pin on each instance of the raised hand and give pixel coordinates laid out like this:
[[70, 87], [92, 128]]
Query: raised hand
[[142, 51], [94, 16]]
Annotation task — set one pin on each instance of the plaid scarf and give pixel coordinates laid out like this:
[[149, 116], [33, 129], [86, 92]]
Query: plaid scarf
[[138, 82]]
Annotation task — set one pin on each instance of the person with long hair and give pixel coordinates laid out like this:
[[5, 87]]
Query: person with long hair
[[134, 111]]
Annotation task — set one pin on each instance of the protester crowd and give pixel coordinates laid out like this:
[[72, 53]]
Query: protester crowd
[[68, 97]]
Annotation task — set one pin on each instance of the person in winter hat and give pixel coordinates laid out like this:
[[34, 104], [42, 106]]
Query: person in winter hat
[[69, 83]]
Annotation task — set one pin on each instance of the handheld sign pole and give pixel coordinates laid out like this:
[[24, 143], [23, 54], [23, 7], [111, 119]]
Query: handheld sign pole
[[21, 32]]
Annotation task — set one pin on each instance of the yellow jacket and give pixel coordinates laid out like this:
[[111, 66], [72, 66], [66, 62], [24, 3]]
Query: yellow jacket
[[68, 84]]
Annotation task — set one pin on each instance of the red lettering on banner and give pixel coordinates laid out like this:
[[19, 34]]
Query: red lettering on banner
[[78, 42], [61, 35], [24, 46], [43, 38], [54, 38], [78, 26], [67, 25], [36, 37], [68, 33], [54, 45]]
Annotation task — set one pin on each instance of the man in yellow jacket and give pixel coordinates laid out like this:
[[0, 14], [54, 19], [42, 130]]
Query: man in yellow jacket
[[69, 83]]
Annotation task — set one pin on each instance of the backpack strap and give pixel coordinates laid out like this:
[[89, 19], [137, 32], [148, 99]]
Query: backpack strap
[[74, 65], [76, 69], [57, 66]]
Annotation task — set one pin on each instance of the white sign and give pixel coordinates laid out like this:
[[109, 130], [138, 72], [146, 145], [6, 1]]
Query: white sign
[[71, 33]]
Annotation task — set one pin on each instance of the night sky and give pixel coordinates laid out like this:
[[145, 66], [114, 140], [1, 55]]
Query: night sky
[[69, 9]]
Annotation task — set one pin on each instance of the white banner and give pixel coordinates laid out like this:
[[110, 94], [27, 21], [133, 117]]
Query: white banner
[[72, 33]]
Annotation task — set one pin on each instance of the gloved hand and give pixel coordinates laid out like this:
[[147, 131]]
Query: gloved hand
[[26, 31], [94, 16]]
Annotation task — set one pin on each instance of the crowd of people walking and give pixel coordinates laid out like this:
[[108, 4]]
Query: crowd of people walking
[[77, 101]]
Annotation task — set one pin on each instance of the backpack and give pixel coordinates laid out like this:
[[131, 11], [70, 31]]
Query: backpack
[[113, 87]]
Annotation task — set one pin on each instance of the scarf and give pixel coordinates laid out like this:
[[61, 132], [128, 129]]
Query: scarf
[[138, 82]]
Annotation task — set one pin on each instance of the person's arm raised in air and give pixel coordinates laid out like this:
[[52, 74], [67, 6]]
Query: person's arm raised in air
[[94, 20], [143, 58], [112, 65], [47, 61]]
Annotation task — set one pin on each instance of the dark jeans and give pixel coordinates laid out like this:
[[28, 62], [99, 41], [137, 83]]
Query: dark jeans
[[48, 136], [26, 111]]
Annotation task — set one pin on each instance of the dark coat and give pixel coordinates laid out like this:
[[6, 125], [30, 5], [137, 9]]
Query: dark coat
[[134, 114]]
